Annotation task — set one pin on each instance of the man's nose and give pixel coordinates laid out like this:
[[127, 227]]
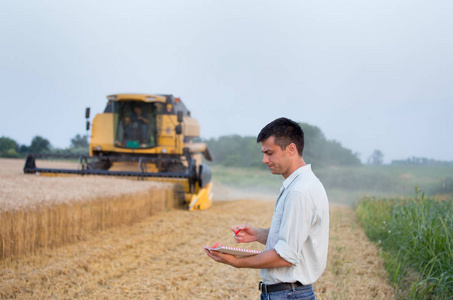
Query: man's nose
[[265, 159]]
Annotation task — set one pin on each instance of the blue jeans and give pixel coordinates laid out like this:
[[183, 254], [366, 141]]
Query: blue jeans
[[302, 292]]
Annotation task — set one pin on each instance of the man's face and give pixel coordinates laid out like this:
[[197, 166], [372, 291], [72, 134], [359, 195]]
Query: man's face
[[276, 159]]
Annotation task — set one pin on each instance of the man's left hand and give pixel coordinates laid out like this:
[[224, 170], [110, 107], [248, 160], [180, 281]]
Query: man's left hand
[[223, 258]]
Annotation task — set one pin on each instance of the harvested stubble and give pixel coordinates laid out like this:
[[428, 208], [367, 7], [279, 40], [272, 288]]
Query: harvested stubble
[[47, 212]]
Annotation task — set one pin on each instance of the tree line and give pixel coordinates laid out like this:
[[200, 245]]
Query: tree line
[[40, 145], [421, 161], [244, 151], [230, 150]]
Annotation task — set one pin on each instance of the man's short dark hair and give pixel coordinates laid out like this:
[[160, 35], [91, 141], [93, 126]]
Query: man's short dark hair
[[285, 132]]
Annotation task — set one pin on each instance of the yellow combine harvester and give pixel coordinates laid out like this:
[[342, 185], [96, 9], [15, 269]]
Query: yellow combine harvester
[[146, 137]]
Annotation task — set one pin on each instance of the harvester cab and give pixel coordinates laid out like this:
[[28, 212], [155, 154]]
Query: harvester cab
[[149, 137]]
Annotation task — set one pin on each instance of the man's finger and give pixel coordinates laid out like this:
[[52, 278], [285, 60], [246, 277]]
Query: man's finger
[[214, 256]]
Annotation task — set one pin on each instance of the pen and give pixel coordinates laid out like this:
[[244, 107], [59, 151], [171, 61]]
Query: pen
[[238, 231]]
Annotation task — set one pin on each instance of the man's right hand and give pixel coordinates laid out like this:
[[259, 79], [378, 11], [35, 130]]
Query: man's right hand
[[248, 234]]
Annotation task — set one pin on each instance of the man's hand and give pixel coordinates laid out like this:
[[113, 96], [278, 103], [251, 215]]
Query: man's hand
[[267, 259], [248, 234], [144, 120], [223, 258]]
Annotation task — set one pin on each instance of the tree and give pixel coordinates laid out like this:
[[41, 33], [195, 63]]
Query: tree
[[235, 151], [8, 147], [377, 158], [23, 149], [320, 151], [7, 143], [79, 141], [39, 145]]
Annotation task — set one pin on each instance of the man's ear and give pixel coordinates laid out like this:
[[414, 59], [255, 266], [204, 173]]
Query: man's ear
[[292, 148]]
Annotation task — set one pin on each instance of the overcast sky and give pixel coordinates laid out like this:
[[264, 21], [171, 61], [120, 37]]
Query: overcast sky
[[370, 74]]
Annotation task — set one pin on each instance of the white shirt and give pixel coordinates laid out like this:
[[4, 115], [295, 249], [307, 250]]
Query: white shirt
[[299, 230]]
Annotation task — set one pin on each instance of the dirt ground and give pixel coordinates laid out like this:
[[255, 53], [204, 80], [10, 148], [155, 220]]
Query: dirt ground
[[162, 257]]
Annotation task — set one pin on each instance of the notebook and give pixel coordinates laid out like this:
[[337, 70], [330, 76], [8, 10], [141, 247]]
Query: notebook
[[239, 252]]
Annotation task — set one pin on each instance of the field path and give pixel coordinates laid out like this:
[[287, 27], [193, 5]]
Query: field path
[[162, 257]]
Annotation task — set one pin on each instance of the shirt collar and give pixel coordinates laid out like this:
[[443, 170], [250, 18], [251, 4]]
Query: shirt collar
[[295, 174]]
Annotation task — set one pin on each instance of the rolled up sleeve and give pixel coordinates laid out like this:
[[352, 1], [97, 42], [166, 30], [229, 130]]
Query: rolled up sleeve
[[287, 253], [295, 227]]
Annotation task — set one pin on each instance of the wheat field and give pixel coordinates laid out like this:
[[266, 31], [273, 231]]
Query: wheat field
[[162, 257], [47, 212]]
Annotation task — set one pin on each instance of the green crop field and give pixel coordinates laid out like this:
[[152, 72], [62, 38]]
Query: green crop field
[[416, 235]]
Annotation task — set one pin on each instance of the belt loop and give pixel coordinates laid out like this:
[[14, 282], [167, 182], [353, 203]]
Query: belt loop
[[293, 287]]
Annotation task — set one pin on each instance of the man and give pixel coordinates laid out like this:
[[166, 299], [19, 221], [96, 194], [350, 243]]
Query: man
[[296, 243], [140, 122]]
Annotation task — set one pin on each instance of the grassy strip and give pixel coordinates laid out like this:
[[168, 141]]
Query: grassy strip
[[416, 235]]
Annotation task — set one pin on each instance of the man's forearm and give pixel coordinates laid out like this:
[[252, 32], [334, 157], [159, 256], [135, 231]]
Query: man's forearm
[[267, 259], [262, 235]]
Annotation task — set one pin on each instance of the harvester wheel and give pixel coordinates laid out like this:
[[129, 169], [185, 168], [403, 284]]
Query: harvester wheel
[[204, 175], [193, 176]]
